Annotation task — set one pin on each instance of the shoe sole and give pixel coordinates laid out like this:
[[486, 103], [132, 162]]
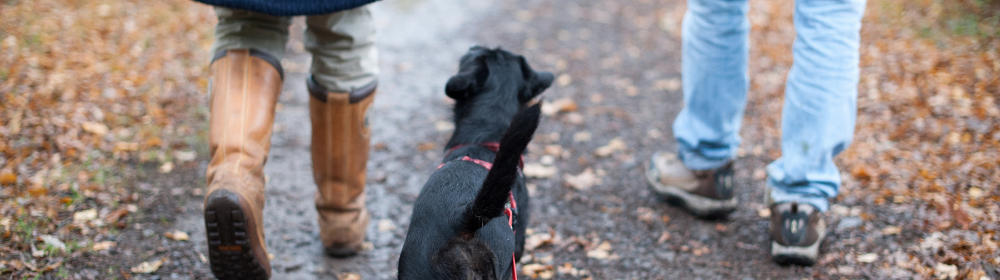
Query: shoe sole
[[230, 254], [798, 255], [701, 207]]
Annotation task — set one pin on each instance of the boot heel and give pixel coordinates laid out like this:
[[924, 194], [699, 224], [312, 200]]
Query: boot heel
[[231, 254]]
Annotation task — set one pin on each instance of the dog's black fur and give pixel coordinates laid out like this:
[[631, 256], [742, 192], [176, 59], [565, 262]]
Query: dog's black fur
[[458, 229]]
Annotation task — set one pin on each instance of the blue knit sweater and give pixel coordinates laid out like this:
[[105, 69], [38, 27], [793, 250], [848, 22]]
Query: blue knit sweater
[[290, 7]]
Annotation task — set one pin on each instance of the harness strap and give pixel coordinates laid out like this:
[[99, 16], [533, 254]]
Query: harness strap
[[493, 146]]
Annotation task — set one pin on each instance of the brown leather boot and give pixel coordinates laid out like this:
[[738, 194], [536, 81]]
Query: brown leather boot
[[244, 88], [340, 139]]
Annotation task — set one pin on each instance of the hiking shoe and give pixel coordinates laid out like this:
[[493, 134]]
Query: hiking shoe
[[706, 193], [797, 229]]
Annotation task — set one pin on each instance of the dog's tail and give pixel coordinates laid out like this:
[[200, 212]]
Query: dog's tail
[[493, 195]]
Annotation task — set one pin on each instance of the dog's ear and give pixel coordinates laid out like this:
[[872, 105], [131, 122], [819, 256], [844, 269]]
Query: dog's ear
[[468, 81], [536, 82]]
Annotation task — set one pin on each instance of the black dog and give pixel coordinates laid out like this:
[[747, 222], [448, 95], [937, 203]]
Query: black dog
[[468, 221]]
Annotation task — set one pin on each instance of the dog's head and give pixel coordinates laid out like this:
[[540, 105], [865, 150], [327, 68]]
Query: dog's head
[[487, 70]]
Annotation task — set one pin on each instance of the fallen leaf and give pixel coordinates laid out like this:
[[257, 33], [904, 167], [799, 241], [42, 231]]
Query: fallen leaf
[[443, 126], [975, 192], [581, 136], [386, 225], [613, 146], [663, 237], [53, 241], [148, 267], [890, 230], [564, 80], [669, 85], [933, 242], [582, 181], [534, 170], [125, 147], [7, 177], [645, 214], [85, 215], [532, 270], [554, 150], [602, 252], [103, 245], [116, 215], [350, 276], [185, 156], [177, 235], [568, 269], [945, 271], [558, 106], [537, 240], [167, 167], [867, 258], [764, 212], [721, 227], [98, 129], [425, 146]]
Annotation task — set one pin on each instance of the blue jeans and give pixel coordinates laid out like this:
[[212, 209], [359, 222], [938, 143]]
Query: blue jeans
[[820, 94]]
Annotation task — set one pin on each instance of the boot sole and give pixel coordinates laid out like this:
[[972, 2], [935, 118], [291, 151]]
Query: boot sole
[[230, 252], [701, 207], [798, 255]]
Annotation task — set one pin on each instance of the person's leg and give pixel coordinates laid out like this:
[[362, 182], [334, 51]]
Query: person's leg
[[343, 47], [242, 29], [714, 53], [817, 123], [820, 107], [342, 88], [245, 80], [714, 64]]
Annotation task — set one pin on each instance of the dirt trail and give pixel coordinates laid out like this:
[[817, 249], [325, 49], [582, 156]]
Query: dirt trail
[[420, 42]]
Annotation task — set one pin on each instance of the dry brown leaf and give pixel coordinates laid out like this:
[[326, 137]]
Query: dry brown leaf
[[148, 267], [867, 258], [558, 106], [7, 177], [185, 156], [116, 215], [663, 237], [534, 170], [670, 85], [53, 241], [890, 230], [582, 181], [103, 245], [96, 128], [764, 212], [177, 235], [386, 225], [613, 146], [645, 214], [945, 271], [444, 126], [537, 240], [350, 276], [532, 270], [85, 215], [425, 146]]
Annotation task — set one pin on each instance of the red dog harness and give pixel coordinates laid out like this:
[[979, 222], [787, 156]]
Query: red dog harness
[[510, 210]]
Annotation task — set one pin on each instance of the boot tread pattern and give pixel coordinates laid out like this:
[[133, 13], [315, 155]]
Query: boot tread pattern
[[230, 255]]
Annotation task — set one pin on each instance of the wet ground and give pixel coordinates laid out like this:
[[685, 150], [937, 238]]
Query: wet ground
[[620, 64]]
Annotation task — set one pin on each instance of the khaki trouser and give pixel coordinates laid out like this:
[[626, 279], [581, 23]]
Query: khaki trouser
[[342, 43]]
